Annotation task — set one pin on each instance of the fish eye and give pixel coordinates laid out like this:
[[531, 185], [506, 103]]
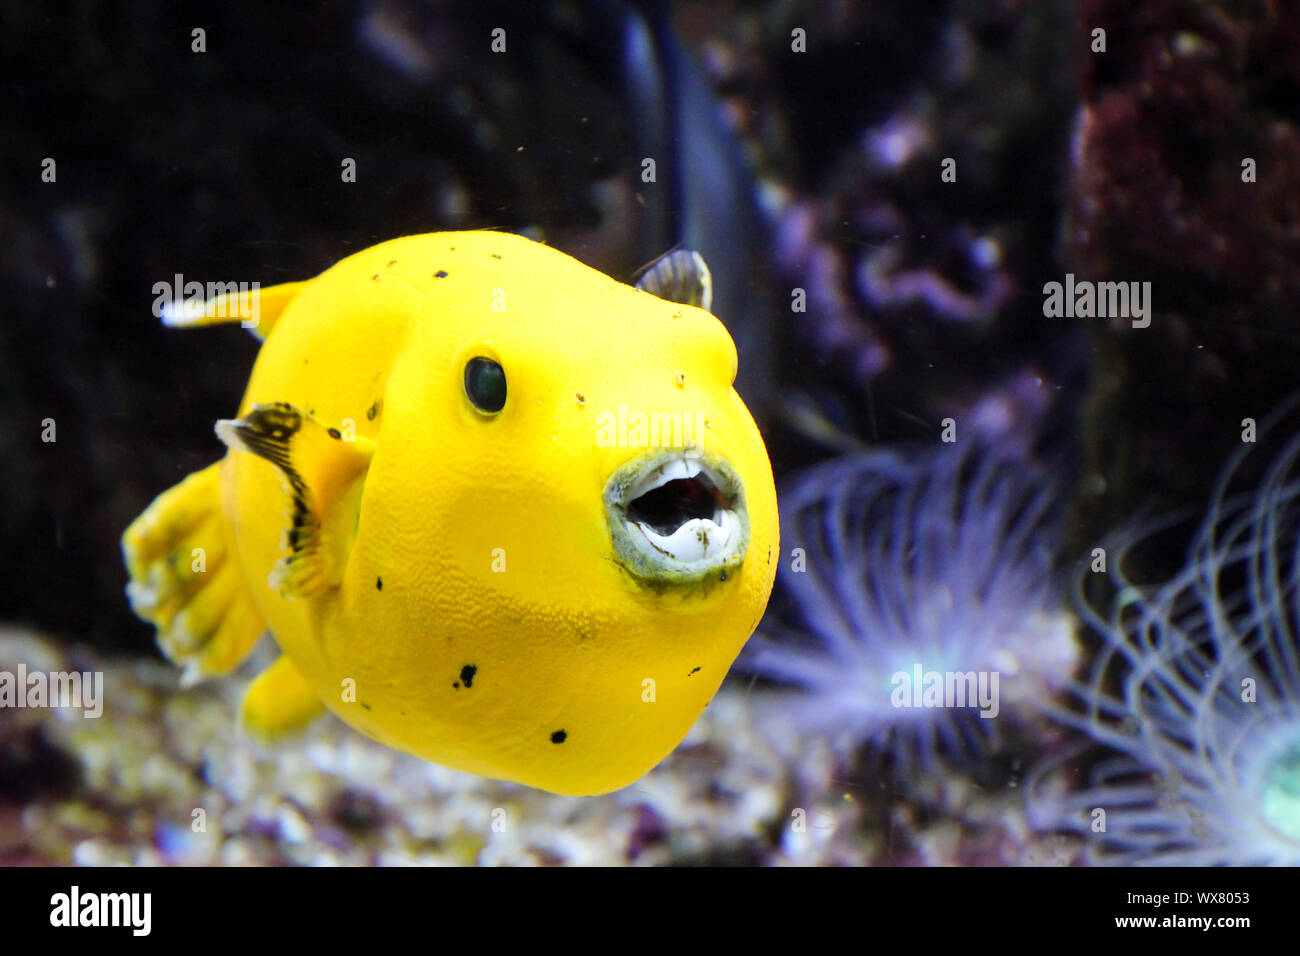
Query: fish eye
[[485, 384]]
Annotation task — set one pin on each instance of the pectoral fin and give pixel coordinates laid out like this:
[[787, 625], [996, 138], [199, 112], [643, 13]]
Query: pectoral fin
[[681, 276], [324, 471]]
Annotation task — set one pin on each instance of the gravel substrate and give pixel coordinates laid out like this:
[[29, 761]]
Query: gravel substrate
[[164, 778]]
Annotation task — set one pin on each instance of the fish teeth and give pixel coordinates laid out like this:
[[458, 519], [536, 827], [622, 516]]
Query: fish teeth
[[713, 534], [697, 540], [671, 470]]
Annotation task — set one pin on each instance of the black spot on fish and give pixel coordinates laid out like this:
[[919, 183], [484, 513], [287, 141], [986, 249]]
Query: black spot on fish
[[335, 434], [379, 584], [456, 684], [558, 737], [375, 277], [495, 255], [440, 274], [373, 410], [769, 554], [693, 673], [724, 576], [364, 704], [467, 674], [391, 263]]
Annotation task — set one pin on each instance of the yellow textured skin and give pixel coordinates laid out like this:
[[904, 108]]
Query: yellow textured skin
[[488, 533]]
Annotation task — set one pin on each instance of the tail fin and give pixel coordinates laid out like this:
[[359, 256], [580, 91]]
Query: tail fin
[[186, 581]]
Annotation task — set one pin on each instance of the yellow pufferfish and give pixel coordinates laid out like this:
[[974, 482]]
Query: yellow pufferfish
[[441, 498]]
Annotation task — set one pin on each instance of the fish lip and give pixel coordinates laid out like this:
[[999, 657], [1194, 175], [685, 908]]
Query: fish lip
[[653, 563]]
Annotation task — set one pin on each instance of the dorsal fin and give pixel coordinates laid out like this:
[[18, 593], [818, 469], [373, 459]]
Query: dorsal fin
[[681, 276], [323, 471], [256, 308]]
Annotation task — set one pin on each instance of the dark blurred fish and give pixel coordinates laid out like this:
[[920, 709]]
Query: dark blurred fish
[[711, 204]]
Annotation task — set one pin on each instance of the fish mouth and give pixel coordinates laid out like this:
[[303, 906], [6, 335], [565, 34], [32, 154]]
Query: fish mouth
[[677, 517]]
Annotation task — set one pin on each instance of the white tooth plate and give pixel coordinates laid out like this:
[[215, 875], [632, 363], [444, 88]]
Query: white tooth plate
[[669, 471], [697, 540]]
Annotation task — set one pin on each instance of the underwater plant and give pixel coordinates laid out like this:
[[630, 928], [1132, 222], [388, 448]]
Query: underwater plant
[[924, 595], [1194, 693]]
